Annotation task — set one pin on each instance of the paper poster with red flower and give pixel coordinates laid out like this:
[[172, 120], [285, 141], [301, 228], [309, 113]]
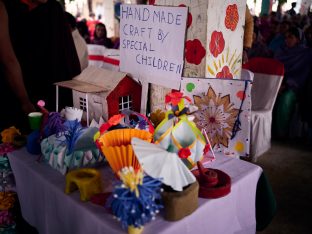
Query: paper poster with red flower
[[224, 57], [223, 111]]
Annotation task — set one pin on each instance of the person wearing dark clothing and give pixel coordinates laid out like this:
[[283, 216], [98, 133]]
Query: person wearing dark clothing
[[13, 93], [100, 36], [83, 30], [292, 11], [296, 58], [44, 47]]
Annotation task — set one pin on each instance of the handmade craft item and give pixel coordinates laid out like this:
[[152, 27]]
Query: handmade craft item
[[6, 148], [181, 190], [117, 149], [86, 180], [7, 200], [223, 111], [33, 142], [72, 148], [6, 221], [136, 199], [157, 117], [213, 183], [35, 119], [7, 181], [177, 131], [72, 113], [160, 163], [54, 124], [8, 134], [138, 121]]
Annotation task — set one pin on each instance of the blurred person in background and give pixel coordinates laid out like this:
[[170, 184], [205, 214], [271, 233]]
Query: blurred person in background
[[100, 36], [83, 30], [91, 23], [296, 58], [248, 34], [80, 43]]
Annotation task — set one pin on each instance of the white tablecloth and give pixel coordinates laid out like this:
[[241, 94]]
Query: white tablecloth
[[45, 205]]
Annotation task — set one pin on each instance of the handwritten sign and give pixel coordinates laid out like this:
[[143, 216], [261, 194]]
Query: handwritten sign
[[152, 43]]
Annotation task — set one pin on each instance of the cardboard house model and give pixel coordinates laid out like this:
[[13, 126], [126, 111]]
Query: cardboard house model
[[103, 93]]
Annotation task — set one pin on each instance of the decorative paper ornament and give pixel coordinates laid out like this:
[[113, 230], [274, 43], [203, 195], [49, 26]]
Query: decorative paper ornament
[[117, 149], [159, 163]]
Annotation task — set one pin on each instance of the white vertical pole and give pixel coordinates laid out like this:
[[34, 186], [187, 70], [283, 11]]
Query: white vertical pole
[[87, 107], [144, 96]]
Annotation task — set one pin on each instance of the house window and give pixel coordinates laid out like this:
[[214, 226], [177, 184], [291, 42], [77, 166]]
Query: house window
[[82, 104], [125, 103]]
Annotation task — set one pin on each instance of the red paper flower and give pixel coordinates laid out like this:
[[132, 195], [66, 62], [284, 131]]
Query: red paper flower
[[114, 120], [240, 95], [184, 153], [216, 45], [207, 148], [189, 17], [225, 73], [194, 51], [175, 97], [232, 17]]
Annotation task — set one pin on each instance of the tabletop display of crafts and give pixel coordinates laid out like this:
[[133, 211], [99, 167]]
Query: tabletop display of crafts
[[152, 166]]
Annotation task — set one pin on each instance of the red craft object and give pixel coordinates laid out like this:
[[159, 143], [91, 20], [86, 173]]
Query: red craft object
[[126, 87], [213, 183], [100, 198]]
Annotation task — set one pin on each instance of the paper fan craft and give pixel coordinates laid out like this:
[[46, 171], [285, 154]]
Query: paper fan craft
[[177, 131], [117, 149], [159, 163], [135, 200]]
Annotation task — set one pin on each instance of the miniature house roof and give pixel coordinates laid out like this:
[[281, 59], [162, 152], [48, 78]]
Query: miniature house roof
[[94, 80]]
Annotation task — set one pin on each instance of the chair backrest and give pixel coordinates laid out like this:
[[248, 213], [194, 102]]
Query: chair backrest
[[268, 75], [247, 75]]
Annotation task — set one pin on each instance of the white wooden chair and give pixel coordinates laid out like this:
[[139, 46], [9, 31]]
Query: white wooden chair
[[268, 75]]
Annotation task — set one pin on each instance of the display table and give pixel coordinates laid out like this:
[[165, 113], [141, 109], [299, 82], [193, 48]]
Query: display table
[[45, 205]]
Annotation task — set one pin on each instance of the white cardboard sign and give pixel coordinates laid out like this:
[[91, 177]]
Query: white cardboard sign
[[152, 43]]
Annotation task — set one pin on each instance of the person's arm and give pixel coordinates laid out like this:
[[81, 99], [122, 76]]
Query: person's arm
[[10, 64], [248, 34]]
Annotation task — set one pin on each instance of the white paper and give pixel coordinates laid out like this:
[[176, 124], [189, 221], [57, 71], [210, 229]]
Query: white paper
[[152, 43]]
